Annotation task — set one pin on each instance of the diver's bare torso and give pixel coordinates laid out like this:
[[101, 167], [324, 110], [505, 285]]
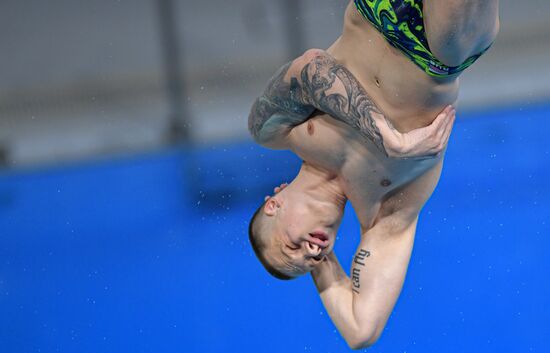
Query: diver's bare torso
[[367, 177], [407, 96]]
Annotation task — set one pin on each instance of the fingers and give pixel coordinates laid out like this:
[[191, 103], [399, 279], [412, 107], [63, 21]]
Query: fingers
[[276, 190], [442, 119], [449, 129], [430, 141], [435, 130], [444, 124], [425, 142], [280, 187], [443, 135]]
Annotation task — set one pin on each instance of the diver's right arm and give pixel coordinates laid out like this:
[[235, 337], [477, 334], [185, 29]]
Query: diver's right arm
[[361, 304]]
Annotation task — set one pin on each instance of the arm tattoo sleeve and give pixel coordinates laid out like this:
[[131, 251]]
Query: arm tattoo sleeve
[[287, 104], [353, 107], [276, 109]]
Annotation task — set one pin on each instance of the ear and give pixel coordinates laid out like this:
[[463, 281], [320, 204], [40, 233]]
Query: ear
[[272, 206]]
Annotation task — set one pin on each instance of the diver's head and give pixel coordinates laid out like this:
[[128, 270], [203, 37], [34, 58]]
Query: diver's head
[[293, 231]]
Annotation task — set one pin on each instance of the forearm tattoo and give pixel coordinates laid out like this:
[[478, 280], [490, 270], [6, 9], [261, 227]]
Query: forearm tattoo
[[358, 263], [286, 104]]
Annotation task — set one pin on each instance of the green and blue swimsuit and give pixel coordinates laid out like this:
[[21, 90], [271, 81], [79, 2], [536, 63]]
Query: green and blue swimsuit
[[401, 23]]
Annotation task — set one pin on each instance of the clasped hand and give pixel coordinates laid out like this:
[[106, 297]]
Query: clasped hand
[[421, 143]]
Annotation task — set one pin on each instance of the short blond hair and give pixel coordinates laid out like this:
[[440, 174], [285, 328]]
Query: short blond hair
[[258, 245]]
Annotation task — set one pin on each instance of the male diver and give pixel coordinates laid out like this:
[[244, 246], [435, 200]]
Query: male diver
[[387, 165]]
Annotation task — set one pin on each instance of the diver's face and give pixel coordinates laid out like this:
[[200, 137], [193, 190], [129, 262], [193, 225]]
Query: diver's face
[[303, 232]]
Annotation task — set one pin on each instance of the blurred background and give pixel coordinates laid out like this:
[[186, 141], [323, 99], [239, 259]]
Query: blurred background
[[127, 179]]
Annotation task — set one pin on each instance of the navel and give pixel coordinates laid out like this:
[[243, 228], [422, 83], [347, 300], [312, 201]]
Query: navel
[[385, 183], [377, 81], [310, 127]]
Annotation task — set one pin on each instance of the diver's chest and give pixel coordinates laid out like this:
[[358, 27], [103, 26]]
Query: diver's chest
[[373, 179], [324, 142]]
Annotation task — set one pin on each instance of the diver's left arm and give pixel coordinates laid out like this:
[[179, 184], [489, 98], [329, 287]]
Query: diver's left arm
[[316, 81], [360, 306]]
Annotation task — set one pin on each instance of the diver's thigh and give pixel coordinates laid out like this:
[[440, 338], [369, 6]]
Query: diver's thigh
[[475, 18], [457, 29]]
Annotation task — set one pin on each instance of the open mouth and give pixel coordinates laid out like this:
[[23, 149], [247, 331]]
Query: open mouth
[[320, 238]]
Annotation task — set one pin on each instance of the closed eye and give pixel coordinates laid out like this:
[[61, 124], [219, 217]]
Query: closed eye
[[289, 244]]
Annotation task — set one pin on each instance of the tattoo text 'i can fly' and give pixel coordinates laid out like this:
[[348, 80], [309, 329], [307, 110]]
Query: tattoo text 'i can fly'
[[358, 262]]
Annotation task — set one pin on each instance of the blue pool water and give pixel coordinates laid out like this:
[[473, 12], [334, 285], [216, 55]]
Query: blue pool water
[[149, 253]]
